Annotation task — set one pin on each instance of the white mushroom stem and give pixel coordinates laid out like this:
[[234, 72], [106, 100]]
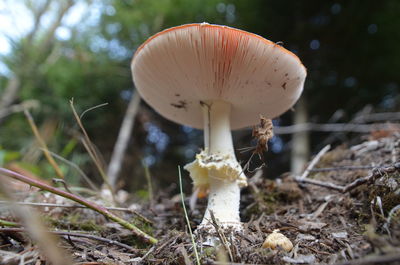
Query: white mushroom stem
[[224, 194], [217, 129]]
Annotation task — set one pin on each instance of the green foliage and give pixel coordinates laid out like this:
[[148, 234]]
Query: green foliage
[[73, 221], [356, 63], [134, 21]]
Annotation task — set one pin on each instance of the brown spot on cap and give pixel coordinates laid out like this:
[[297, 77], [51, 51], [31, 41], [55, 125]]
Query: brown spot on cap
[[182, 104]]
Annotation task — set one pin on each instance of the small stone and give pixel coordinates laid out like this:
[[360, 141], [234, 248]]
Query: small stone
[[304, 237], [308, 226], [341, 235], [277, 240], [301, 259]]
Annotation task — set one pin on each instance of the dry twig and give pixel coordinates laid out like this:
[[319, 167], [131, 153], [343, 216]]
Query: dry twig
[[221, 235], [337, 127], [95, 207], [42, 204], [315, 161], [72, 234], [376, 173], [384, 259], [43, 145], [124, 136], [325, 169]]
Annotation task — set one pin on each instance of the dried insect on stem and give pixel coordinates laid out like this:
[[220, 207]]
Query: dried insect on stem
[[262, 132]]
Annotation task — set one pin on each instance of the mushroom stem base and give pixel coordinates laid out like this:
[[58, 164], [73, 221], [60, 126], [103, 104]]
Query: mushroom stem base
[[223, 202]]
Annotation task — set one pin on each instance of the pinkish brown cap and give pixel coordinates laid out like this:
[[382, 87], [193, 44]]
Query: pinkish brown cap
[[177, 68]]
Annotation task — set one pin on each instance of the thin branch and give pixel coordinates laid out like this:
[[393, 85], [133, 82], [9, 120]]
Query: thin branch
[[95, 207], [373, 117], [92, 108], [383, 259], [337, 127], [375, 174], [320, 183], [42, 204], [43, 145], [65, 6], [27, 104], [326, 169], [315, 161], [121, 144], [221, 235], [9, 94], [37, 16], [72, 234]]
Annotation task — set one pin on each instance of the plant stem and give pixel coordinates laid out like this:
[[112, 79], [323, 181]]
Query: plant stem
[[9, 223], [43, 145], [187, 218], [95, 207], [91, 149]]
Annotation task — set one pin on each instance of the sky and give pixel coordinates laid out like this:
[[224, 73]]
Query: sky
[[10, 26], [16, 21]]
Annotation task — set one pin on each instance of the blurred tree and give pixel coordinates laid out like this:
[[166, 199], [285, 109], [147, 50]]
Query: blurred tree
[[52, 68], [349, 48]]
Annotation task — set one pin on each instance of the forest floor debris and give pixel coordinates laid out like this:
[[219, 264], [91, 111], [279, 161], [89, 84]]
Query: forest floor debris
[[326, 225]]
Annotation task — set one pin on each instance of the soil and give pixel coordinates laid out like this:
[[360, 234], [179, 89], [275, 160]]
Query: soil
[[325, 225]]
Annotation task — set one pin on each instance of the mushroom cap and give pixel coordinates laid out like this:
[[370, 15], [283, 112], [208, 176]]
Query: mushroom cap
[[177, 68]]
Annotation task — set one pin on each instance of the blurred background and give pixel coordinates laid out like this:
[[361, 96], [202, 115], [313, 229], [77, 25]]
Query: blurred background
[[53, 51]]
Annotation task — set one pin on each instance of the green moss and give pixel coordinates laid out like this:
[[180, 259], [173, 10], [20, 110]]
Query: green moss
[[208, 252], [73, 222], [388, 196]]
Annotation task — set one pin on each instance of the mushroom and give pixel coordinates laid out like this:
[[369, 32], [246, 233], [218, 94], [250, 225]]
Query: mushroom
[[277, 240], [216, 78]]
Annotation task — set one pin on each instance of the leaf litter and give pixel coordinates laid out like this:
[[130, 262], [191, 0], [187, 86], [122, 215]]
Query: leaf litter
[[326, 226]]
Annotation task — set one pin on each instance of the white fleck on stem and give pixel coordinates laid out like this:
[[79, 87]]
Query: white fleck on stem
[[224, 196]]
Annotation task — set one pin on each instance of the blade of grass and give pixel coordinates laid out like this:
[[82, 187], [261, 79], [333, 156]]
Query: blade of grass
[[8, 223], [187, 218], [95, 207], [149, 183], [90, 148], [92, 108], [43, 145], [77, 168]]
